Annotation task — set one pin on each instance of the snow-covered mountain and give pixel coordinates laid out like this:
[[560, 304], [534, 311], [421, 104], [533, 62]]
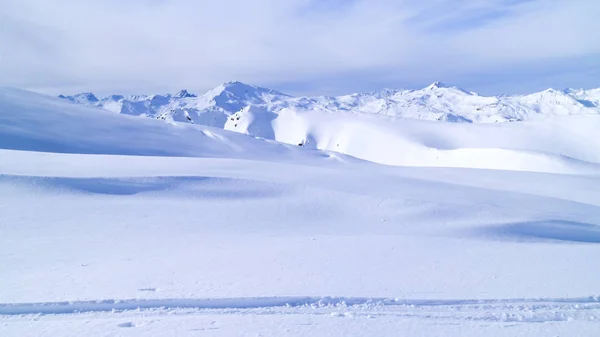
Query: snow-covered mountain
[[211, 109], [437, 102], [357, 124], [35, 122]]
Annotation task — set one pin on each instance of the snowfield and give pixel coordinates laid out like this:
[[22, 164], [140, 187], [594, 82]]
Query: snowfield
[[118, 225]]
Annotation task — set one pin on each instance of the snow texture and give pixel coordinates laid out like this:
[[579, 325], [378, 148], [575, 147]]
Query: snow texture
[[119, 225]]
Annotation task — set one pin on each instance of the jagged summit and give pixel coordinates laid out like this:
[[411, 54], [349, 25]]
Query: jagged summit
[[84, 97], [114, 97], [236, 83], [440, 86], [89, 96], [183, 94]]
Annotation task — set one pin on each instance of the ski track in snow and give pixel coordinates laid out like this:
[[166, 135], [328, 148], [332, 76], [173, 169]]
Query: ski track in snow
[[505, 310], [302, 316]]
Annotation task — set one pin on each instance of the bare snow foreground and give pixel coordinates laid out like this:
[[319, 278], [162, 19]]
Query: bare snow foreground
[[311, 317], [115, 225]]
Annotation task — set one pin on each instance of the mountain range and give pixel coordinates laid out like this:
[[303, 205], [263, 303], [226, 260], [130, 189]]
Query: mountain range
[[312, 121], [436, 102]]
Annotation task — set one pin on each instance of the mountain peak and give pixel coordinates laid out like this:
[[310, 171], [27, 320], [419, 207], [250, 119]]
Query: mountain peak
[[231, 83], [553, 91], [242, 90], [114, 97], [237, 85], [234, 95], [84, 97], [183, 94], [438, 85], [88, 96], [437, 101]]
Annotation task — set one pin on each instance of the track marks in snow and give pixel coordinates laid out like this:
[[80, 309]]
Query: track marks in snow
[[245, 303]]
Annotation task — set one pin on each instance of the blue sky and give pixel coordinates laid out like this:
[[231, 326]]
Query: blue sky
[[299, 46]]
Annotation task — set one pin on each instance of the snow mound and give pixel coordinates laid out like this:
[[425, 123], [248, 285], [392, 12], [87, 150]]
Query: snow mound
[[556, 145]]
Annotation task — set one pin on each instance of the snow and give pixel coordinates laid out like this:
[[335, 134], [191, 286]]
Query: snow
[[589, 98], [396, 127], [38, 123], [120, 225], [437, 102], [525, 319], [559, 145]]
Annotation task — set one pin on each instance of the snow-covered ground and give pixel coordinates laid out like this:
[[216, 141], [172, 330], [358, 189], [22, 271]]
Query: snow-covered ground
[[118, 225]]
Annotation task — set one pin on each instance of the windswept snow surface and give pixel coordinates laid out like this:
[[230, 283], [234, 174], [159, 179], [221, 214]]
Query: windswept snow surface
[[124, 226]]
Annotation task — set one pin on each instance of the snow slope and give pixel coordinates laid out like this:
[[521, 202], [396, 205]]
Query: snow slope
[[560, 144], [135, 227], [588, 98], [34, 122]]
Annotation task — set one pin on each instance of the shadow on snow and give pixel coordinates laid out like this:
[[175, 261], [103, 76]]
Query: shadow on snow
[[552, 230]]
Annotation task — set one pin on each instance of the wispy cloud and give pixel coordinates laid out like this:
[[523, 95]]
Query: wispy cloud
[[449, 17], [345, 45]]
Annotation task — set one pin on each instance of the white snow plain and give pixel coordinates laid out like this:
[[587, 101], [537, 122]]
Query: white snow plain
[[116, 225]]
